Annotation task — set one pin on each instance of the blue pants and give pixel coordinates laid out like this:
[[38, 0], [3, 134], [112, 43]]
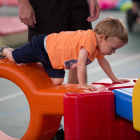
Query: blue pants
[[33, 52]]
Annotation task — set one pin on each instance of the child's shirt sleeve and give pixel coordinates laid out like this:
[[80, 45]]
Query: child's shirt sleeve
[[89, 45], [88, 41]]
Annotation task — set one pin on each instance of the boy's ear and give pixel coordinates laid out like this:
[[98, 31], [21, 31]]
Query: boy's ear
[[101, 37]]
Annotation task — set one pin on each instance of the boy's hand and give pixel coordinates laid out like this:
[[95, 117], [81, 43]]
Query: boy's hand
[[88, 87], [120, 81]]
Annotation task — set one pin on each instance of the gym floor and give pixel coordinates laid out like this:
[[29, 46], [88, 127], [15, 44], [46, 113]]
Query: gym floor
[[14, 109]]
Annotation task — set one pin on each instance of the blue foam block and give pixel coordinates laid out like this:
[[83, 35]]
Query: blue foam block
[[123, 103]]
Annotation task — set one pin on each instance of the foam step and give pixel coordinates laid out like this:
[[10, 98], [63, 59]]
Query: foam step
[[12, 31]]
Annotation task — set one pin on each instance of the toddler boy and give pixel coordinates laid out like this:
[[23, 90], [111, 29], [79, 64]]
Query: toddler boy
[[73, 49]]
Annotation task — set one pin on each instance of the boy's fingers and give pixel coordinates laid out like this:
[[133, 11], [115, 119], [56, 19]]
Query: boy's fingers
[[125, 80], [89, 87], [93, 88], [122, 81]]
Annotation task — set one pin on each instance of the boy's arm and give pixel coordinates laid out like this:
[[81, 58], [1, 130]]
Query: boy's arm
[[107, 69], [81, 70]]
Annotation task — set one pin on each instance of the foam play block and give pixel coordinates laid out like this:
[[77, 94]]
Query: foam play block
[[87, 115], [9, 2], [136, 105], [123, 130], [92, 115], [12, 31], [123, 103]]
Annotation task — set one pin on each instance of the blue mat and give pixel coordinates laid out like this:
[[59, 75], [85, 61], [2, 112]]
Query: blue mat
[[123, 103]]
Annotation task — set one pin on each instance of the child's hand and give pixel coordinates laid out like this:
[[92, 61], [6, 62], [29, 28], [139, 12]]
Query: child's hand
[[120, 81], [88, 87]]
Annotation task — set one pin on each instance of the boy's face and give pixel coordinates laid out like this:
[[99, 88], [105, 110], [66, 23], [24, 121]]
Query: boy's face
[[109, 46]]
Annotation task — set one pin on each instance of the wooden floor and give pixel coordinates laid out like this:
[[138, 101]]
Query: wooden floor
[[14, 110]]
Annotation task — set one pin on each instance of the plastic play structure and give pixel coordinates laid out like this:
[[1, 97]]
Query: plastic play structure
[[45, 99], [95, 116], [87, 115]]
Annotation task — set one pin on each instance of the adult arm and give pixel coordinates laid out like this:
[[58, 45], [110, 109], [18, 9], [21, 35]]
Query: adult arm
[[107, 69], [94, 10], [26, 13]]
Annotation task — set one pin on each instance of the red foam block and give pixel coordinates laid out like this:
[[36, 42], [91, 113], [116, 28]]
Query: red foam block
[[111, 86], [9, 2], [91, 116], [85, 116], [11, 25]]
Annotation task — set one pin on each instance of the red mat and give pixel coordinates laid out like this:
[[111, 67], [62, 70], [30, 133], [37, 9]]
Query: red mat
[[9, 2], [11, 25]]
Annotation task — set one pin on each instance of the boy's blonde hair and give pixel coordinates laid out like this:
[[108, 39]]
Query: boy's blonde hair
[[112, 27]]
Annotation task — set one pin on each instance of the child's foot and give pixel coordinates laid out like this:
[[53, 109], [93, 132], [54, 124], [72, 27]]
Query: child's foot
[[1, 50]]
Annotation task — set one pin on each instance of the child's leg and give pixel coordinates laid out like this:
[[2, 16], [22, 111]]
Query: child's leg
[[31, 52], [57, 81], [56, 75], [8, 53]]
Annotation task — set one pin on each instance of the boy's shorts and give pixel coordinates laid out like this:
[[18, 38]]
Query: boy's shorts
[[33, 52]]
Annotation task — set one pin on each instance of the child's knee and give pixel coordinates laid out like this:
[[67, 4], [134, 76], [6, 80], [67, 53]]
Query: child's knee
[[57, 81]]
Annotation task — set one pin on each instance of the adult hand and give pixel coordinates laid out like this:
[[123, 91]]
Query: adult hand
[[26, 13], [94, 10]]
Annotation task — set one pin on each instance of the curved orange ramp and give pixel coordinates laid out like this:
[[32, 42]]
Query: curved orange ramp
[[45, 99]]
